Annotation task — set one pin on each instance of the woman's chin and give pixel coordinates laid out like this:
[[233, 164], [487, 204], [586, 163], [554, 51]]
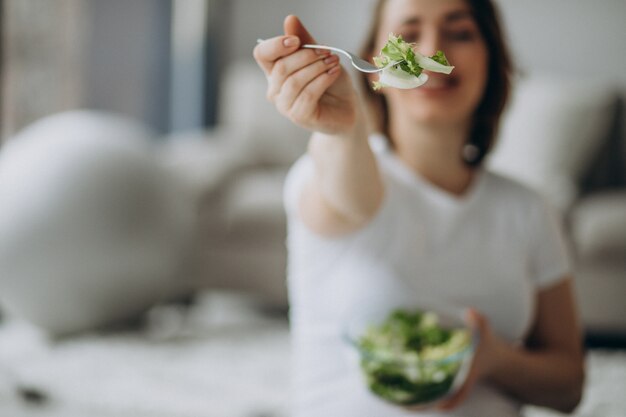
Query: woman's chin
[[437, 116]]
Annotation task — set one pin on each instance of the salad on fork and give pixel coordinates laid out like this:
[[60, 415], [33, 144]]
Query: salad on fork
[[409, 65]]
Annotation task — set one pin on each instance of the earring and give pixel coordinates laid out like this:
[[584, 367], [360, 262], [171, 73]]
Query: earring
[[471, 154]]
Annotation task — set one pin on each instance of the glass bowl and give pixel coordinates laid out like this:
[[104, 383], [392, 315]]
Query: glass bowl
[[412, 357]]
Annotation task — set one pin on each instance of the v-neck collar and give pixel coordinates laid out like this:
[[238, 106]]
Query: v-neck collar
[[441, 197]]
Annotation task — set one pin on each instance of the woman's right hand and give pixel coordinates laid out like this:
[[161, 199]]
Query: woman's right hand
[[308, 87], [318, 95]]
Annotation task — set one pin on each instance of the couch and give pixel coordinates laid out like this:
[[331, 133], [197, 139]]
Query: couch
[[216, 215], [562, 137]]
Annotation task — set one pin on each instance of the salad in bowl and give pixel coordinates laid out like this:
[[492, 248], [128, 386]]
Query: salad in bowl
[[413, 357]]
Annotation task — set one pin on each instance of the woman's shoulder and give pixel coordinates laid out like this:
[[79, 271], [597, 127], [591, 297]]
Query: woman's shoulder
[[509, 190]]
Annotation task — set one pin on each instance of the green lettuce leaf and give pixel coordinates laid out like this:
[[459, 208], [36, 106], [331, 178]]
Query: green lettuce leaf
[[402, 56], [440, 57]]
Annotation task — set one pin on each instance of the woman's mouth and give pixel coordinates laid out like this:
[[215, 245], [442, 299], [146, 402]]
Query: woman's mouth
[[437, 83]]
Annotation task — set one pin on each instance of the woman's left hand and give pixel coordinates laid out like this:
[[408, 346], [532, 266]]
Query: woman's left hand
[[485, 358]]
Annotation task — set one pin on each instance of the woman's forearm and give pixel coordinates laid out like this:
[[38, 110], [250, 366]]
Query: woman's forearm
[[347, 176], [546, 378]]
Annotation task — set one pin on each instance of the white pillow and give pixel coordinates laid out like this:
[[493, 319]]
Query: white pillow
[[204, 160], [268, 137], [551, 132]]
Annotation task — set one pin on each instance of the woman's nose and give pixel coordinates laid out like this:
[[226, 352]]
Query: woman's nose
[[429, 43]]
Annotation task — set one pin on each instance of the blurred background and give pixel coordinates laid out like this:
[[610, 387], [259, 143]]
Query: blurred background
[[161, 60], [142, 257]]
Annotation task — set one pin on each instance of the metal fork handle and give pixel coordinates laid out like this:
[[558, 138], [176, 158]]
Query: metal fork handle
[[353, 58], [357, 62], [328, 48]]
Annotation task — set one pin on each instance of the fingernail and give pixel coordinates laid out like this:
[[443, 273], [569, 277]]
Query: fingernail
[[291, 41], [334, 69], [321, 51], [330, 59]]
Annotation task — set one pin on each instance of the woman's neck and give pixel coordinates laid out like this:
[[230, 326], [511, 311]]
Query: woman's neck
[[434, 151]]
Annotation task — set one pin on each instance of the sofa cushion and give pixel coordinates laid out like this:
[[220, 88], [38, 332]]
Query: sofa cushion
[[551, 132], [254, 205], [267, 137], [205, 160], [243, 243], [599, 226]]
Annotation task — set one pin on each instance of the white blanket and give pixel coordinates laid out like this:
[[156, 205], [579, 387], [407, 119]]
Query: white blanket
[[222, 358]]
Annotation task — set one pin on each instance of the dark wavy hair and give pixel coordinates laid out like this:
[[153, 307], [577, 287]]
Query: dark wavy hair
[[487, 115]]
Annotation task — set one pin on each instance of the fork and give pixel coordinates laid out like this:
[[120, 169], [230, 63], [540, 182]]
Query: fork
[[357, 62]]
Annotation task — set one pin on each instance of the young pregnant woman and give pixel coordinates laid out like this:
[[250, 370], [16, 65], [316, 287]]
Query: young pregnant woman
[[391, 206]]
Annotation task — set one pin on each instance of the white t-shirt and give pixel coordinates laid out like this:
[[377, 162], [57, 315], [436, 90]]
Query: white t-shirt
[[491, 249]]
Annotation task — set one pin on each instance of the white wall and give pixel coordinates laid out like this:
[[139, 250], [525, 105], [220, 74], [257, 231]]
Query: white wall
[[341, 23], [577, 37]]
